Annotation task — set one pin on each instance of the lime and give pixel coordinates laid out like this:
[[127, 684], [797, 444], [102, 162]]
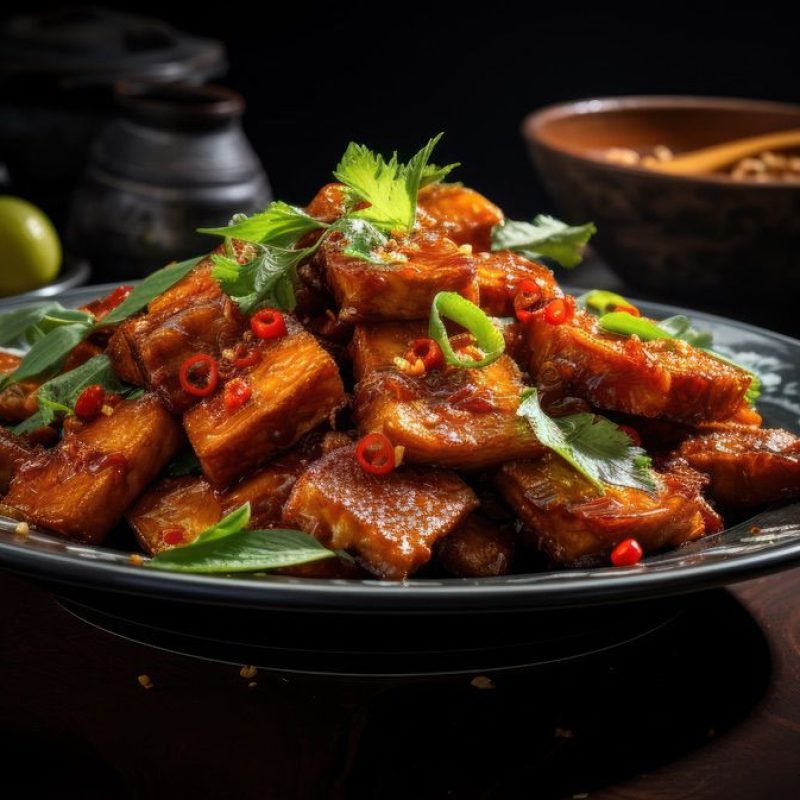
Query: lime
[[30, 250]]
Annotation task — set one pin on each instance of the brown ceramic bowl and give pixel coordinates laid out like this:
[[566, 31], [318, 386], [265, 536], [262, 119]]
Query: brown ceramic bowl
[[687, 237]]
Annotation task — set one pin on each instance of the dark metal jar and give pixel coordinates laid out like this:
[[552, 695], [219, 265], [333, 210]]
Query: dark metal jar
[[176, 159]]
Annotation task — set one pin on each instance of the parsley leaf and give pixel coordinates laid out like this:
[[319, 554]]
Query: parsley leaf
[[279, 224], [389, 187], [433, 173], [592, 444], [545, 237], [362, 238]]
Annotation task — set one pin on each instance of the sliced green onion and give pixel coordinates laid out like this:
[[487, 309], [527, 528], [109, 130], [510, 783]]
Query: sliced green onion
[[458, 309]]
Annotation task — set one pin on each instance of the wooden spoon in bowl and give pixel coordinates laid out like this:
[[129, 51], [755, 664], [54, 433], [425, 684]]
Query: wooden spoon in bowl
[[718, 156]]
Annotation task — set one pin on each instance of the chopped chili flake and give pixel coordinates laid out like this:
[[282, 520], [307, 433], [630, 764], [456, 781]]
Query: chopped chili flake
[[560, 310], [526, 295], [244, 357], [90, 402], [375, 454], [201, 367], [117, 296], [268, 324], [627, 553], [237, 393], [173, 536], [428, 351]]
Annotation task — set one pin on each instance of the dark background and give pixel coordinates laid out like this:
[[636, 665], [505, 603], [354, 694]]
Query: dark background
[[392, 75]]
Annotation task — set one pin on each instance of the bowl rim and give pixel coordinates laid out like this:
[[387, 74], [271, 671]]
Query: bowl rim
[[533, 123]]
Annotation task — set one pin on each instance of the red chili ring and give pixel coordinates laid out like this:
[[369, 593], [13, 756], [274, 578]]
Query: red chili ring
[[90, 402], [173, 536], [560, 310], [627, 553], [237, 392], [428, 351], [192, 364], [375, 454], [526, 295], [268, 324]]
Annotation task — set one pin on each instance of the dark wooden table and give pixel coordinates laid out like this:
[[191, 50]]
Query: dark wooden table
[[708, 707]]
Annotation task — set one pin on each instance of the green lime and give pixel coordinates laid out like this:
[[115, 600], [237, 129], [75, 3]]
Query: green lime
[[30, 250]]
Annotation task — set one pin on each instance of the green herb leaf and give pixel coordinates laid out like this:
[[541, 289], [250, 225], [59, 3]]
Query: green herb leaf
[[185, 463], [266, 281], [435, 174], [60, 393], [600, 301], [152, 286], [389, 187], [14, 324], [279, 224], [545, 237], [680, 327], [362, 238], [228, 547], [592, 444], [48, 353], [488, 338]]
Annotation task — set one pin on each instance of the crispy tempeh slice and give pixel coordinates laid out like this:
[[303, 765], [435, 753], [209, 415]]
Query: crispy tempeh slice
[[571, 520], [389, 522], [747, 466], [295, 387], [402, 288], [465, 419], [478, 548], [461, 214], [663, 378], [499, 275], [191, 317], [81, 487]]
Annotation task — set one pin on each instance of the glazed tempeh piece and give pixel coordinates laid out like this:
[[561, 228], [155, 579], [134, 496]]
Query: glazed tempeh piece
[[14, 451], [81, 487], [747, 466], [499, 275], [295, 387], [662, 378], [457, 418], [416, 269], [478, 548], [461, 214], [571, 520], [388, 522]]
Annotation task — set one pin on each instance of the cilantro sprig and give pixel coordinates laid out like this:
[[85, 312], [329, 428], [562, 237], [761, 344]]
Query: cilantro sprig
[[229, 547], [592, 444], [545, 237]]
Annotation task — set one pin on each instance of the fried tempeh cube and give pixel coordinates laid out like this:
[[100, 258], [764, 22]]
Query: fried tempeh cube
[[295, 387], [388, 522], [747, 466], [478, 548], [459, 418], [662, 378], [499, 275], [571, 520], [81, 487], [403, 287], [191, 317], [461, 214]]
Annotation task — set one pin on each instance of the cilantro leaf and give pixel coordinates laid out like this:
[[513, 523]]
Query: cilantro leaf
[[362, 238], [545, 237], [389, 187], [60, 393], [279, 224], [592, 444], [433, 173]]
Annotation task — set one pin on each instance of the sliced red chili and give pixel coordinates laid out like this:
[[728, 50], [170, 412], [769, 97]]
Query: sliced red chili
[[526, 296], [237, 393], [90, 402], [268, 324], [244, 357], [375, 454], [632, 310], [117, 296], [627, 553], [199, 375], [428, 351], [560, 310], [173, 536], [632, 433]]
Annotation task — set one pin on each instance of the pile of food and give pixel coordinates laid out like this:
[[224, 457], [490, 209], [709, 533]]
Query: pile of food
[[386, 382]]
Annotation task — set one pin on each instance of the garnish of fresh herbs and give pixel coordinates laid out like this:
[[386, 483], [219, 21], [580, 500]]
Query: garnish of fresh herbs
[[229, 547], [545, 237], [593, 445]]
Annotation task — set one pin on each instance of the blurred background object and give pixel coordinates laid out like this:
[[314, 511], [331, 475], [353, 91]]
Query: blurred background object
[[174, 160]]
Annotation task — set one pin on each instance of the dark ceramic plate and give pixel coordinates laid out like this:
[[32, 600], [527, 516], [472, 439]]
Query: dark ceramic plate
[[370, 626]]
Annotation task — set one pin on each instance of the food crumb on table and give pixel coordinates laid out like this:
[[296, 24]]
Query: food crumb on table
[[248, 671], [482, 682], [145, 682]]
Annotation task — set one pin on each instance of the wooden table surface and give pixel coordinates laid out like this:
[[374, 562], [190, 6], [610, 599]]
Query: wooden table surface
[[707, 708]]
